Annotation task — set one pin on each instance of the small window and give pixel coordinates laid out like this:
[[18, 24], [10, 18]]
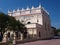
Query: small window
[[22, 21], [28, 22]]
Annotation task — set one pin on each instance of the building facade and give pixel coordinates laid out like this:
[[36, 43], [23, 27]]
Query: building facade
[[36, 20]]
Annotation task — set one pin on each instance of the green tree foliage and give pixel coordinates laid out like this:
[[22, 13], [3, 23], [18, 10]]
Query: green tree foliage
[[58, 30], [3, 22], [54, 30], [10, 23]]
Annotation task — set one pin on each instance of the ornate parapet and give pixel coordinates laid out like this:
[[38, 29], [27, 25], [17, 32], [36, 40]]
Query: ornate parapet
[[26, 11]]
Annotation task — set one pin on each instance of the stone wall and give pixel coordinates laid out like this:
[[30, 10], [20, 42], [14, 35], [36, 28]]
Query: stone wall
[[4, 43]]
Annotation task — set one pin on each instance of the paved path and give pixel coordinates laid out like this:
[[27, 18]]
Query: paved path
[[43, 42]]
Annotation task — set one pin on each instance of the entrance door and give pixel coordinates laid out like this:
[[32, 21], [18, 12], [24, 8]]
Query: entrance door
[[39, 34]]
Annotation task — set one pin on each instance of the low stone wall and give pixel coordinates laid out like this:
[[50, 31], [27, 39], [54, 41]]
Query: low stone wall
[[24, 41], [4, 43]]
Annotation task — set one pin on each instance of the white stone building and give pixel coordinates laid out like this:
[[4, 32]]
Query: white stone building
[[36, 20]]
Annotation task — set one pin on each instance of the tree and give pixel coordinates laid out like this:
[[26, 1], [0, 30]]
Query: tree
[[54, 30], [10, 23], [3, 19], [58, 30]]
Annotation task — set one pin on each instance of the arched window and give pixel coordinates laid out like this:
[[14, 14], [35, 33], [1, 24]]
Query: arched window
[[16, 34], [8, 35], [28, 22]]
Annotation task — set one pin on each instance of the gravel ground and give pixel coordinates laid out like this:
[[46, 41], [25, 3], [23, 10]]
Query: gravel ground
[[43, 42]]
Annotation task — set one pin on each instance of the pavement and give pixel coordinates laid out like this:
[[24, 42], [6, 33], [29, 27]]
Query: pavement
[[43, 42]]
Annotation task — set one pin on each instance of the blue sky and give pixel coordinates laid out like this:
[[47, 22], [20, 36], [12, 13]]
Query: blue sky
[[52, 6]]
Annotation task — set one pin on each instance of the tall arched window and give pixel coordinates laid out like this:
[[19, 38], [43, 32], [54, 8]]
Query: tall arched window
[[39, 34], [8, 35]]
